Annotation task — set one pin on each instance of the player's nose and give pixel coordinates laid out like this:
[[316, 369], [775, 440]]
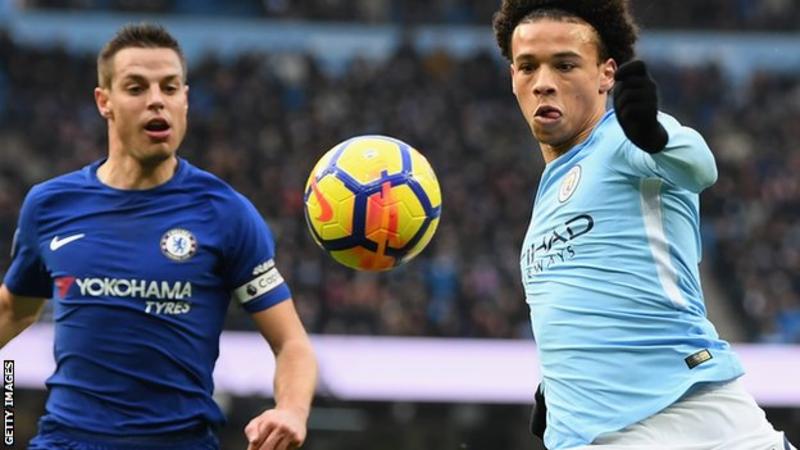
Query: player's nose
[[155, 98], [544, 84]]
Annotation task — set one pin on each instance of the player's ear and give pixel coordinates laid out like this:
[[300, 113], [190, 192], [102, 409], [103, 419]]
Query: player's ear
[[607, 71], [103, 102], [512, 71]]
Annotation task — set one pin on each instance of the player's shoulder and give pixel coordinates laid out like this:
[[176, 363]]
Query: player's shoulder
[[608, 137], [77, 179], [216, 190]]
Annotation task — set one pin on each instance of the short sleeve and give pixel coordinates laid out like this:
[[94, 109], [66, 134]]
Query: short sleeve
[[28, 276], [249, 259]]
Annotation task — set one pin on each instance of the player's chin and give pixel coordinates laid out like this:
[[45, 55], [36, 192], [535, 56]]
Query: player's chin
[[157, 153], [547, 135]]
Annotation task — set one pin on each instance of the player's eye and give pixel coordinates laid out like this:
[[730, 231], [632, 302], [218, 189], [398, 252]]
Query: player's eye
[[526, 68], [134, 89], [171, 88], [565, 66]]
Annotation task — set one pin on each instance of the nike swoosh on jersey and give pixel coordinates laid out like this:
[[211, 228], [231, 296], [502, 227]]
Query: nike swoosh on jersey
[[57, 243]]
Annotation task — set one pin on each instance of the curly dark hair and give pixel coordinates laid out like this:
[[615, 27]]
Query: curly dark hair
[[610, 18]]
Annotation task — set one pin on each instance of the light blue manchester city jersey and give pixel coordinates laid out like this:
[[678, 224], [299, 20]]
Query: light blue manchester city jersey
[[610, 272], [140, 281]]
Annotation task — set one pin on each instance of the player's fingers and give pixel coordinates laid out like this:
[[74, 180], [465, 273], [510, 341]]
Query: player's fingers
[[251, 430], [251, 433], [635, 84], [294, 441], [286, 438], [284, 443], [636, 67], [634, 97], [257, 431], [254, 444], [275, 436]]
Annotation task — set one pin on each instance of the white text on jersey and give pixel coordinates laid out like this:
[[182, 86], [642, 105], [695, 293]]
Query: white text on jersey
[[263, 267], [120, 287], [167, 307]]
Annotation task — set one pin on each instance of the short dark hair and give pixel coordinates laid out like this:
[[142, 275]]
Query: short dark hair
[[610, 18], [141, 35]]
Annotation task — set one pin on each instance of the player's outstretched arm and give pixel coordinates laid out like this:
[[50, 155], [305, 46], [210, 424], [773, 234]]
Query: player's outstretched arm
[[16, 314], [636, 106], [284, 427], [680, 155]]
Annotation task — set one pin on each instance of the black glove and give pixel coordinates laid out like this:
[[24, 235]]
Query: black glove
[[539, 414], [636, 105]]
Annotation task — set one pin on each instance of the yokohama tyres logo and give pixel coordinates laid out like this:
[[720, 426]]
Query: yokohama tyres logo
[[122, 287]]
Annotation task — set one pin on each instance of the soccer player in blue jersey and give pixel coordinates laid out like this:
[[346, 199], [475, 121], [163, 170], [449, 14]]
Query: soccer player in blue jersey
[[610, 260], [141, 253]]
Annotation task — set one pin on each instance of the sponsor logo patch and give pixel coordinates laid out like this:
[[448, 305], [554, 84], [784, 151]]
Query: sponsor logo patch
[[258, 286], [121, 287], [695, 359]]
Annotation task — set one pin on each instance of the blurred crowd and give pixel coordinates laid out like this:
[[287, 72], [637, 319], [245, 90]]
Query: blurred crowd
[[706, 14], [260, 121]]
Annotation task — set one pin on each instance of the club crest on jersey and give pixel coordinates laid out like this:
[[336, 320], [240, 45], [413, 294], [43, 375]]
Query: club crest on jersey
[[570, 184], [178, 244]]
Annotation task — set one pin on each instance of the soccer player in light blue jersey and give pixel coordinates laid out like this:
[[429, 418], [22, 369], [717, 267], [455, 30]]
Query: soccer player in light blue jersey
[[141, 253], [610, 260]]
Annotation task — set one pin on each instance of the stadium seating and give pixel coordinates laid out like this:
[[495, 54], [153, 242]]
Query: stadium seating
[[663, 14], [458, 111]]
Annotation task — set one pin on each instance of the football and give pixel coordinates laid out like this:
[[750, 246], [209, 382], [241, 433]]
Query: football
[[372, 202]]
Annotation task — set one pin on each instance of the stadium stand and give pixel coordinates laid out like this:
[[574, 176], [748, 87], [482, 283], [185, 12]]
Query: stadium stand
[[280, 110], [749, 15]]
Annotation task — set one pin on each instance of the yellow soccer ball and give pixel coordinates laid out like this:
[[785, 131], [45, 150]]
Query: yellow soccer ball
[[372, 202]]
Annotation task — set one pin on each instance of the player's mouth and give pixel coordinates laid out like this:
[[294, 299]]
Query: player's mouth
[[546, 115], [158, 129]]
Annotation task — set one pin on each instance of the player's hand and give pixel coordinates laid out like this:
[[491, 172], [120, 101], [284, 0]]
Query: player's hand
[[636, 105], [538, 421], [276, 429]]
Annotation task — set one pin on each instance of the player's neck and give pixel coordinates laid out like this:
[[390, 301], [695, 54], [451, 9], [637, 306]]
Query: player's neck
[[551, 152], [129, 174]]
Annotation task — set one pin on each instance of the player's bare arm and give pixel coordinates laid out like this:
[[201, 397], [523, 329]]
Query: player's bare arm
[[16, 314], [284, 427]]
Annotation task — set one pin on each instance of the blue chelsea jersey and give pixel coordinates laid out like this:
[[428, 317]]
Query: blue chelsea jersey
[[140, 281], [610, 272]]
